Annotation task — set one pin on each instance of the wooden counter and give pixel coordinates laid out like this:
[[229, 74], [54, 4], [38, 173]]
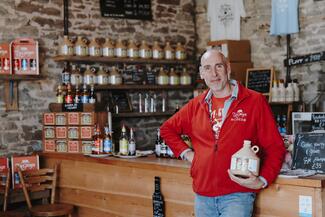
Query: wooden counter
[[123, 187]]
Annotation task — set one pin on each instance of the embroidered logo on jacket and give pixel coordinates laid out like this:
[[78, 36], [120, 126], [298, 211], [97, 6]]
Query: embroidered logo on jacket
[[239, 115]]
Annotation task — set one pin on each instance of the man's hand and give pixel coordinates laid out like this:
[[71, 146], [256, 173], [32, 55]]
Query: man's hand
[[252, 182], [189, 156]]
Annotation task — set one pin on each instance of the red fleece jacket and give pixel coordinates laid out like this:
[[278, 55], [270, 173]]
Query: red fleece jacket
[[248, 118]]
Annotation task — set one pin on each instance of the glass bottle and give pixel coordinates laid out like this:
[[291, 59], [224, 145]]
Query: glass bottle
[[108, 48], [144, 50], [115, 77], [98, 141], [162, 78], [77, 96], [94, 48], [133, 50], [173, 77], [81, 47], [282, 91], [65, 76], [120, 49], [274, 92], [132, 145], [59, 94], [66, 48], [169, 52], [85, 95], [158, 144], [157, 52], [102, 76], [245, 160], [158, 200], [89, 75], [92, 98], [108, 145], [180, 52], [69, 97], [76, 77], [296, 90], [185, 77], [123, 142]]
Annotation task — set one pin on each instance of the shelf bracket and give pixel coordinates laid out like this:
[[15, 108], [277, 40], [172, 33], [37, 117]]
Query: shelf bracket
[[11, 95]]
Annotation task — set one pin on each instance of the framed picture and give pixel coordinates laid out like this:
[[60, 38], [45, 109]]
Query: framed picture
[[260, 79], [120, 100]]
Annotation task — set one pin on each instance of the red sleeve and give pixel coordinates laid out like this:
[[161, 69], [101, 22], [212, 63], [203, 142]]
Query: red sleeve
[[174, 127], [271, 142]]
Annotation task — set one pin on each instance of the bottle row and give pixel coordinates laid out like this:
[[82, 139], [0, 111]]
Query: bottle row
[[289, 94], [126, 75], [81, 47], [281, 121], [69, 95]]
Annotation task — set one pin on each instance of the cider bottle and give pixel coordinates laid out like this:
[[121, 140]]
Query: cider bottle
[[132, 145], [98, 141], [158, 200], [123, 142]]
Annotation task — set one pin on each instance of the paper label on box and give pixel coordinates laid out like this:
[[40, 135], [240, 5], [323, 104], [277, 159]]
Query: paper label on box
[[86, 132], [305, 206], [49, 119], [73, 146], [73, 118], [49, 145], [61, 132]]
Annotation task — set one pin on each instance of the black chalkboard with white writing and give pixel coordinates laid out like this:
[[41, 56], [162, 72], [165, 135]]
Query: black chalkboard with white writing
[[260, 80], [309, 152], [318, 121], [309, 58], [129, 9]]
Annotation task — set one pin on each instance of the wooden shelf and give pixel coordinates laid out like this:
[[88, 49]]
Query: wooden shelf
[[113, 60], [281, 103], [20, 77], [142, 114], [87, 107], [143, 87]]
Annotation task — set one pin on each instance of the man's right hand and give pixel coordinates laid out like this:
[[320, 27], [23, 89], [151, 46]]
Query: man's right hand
[[189, 156]]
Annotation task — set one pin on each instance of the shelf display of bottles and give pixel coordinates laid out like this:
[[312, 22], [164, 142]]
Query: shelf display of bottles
[[161, 148], [282, 94]]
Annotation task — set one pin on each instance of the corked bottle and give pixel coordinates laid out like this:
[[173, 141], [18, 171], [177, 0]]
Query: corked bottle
[[133, 50], [115, 77], [66, 48], [180, 52], [173, 77], [245, 161], [157, 51], [162, 78], [185, 77], [169, 52], [81, 47], [108, 48], [120, 49], [145, 51], [94, 48]]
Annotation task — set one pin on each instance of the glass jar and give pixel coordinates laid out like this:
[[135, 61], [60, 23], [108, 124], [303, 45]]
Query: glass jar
[[157, 52], [185, 77], [115, 77], [180, 52], [162, 78], [89, 76], [169, 52], [81, 47], [94, 48], [173, 77], [144, 50], [108, 48], [133, 50], [61, 146], [120, 49], [76, 76], [66, 48], [102, 76]]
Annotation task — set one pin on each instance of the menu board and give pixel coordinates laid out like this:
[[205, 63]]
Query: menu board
[[129, 9], [260, 79], [309, 152], [318, 121]]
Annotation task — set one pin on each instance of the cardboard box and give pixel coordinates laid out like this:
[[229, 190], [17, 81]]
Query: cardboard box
[[73, 118], [86, 146], [61, 132], [238, 71], [235, 51], [48, 132], [4, 166], [73, 132], [60, 118], [49, 118], [49, 145], [74, 146], [86, 132], [24, 56], [24, 163], [87, 118], [5, 59], [61, 145]]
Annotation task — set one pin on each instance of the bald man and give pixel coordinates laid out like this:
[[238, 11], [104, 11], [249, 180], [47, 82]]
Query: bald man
[[218, 121]]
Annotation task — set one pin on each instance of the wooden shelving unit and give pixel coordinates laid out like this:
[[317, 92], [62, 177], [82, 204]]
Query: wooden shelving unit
[[143, 87], [20, 77], [143, 114]]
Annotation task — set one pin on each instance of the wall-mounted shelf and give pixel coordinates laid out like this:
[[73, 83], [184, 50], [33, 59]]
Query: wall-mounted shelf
[[113, 60], [143, 87], [143, 114], [20, 77]]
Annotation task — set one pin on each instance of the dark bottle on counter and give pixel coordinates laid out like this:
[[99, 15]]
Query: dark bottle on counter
[[158, 200]]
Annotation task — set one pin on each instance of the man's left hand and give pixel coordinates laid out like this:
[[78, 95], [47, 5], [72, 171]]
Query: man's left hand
[[252, 182]]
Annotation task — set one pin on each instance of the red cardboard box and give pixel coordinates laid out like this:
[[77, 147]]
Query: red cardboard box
[[4, 165], [24, 56], [73, 146], [48, 119], [49, 145], [5, 59], [61, 132], [73, 118], [25, 163], [86, 132]]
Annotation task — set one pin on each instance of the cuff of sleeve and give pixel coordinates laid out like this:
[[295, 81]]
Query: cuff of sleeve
[[182, 155], [264, 181]]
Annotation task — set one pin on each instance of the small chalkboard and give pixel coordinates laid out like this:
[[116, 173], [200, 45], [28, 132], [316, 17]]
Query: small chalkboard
[[121, 100], [309, 152], [72, 107], [318, 121], [129, 9], [260, 79]]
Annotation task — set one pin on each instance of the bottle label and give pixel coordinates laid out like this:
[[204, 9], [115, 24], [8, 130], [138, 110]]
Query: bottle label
[[84, 99], [123, 146], [108, 52], [69, 99], [180, 55], [133, 53], [233, 164], [252, 165], [108, 146], [65, 77], [65, 50], [132, 148], [169, 54], [59, 99]]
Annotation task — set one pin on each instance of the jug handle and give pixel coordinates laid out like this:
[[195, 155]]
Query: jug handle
[[255, 149]]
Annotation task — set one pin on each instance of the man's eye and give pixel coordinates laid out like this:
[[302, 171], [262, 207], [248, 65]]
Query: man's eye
[[219, 65]]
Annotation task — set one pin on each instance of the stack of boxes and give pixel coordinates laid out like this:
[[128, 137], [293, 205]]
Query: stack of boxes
[[239, 55], [70, 132]]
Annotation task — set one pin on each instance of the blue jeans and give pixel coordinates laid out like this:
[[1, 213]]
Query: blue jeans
[[230, 205]]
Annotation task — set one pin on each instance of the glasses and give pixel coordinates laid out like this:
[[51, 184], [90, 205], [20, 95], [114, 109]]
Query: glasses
[[208, 68]]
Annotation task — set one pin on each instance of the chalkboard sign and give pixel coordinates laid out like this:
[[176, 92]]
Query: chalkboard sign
[[129, 9], [309, 152], [72, 107], [260, 79], [121, 100], [318, 121], [309, 58]]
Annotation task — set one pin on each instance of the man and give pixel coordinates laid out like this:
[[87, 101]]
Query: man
[[218, 121]]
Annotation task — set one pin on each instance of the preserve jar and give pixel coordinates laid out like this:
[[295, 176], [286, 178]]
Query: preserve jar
[[180, 52], [157, 52], [120, 49], [133, 50], [61, 146], [245, 160], [81, 47], [185, 77], [173, 77], [108, 48], [115, 77], [145, 51], [66, 48], [94, 49], [169, 52]]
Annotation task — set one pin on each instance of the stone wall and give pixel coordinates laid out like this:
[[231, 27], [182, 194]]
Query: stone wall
[[269, 50], [20, 132]]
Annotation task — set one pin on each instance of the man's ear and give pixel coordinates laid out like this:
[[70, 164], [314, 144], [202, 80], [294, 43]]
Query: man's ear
[[228, 70], [201, 71]]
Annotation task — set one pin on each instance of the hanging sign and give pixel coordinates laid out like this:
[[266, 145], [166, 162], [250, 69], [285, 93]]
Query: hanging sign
[[309, 58]]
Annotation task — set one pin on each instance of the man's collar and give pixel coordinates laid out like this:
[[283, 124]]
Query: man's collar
[[234, 93]]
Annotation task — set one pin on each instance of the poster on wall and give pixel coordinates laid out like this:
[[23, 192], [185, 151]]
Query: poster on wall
[[126, 9]]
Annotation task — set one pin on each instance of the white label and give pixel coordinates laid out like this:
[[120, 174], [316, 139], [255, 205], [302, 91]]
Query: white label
[[233, 163], [108, 52], [252, 165], [305, 206]]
